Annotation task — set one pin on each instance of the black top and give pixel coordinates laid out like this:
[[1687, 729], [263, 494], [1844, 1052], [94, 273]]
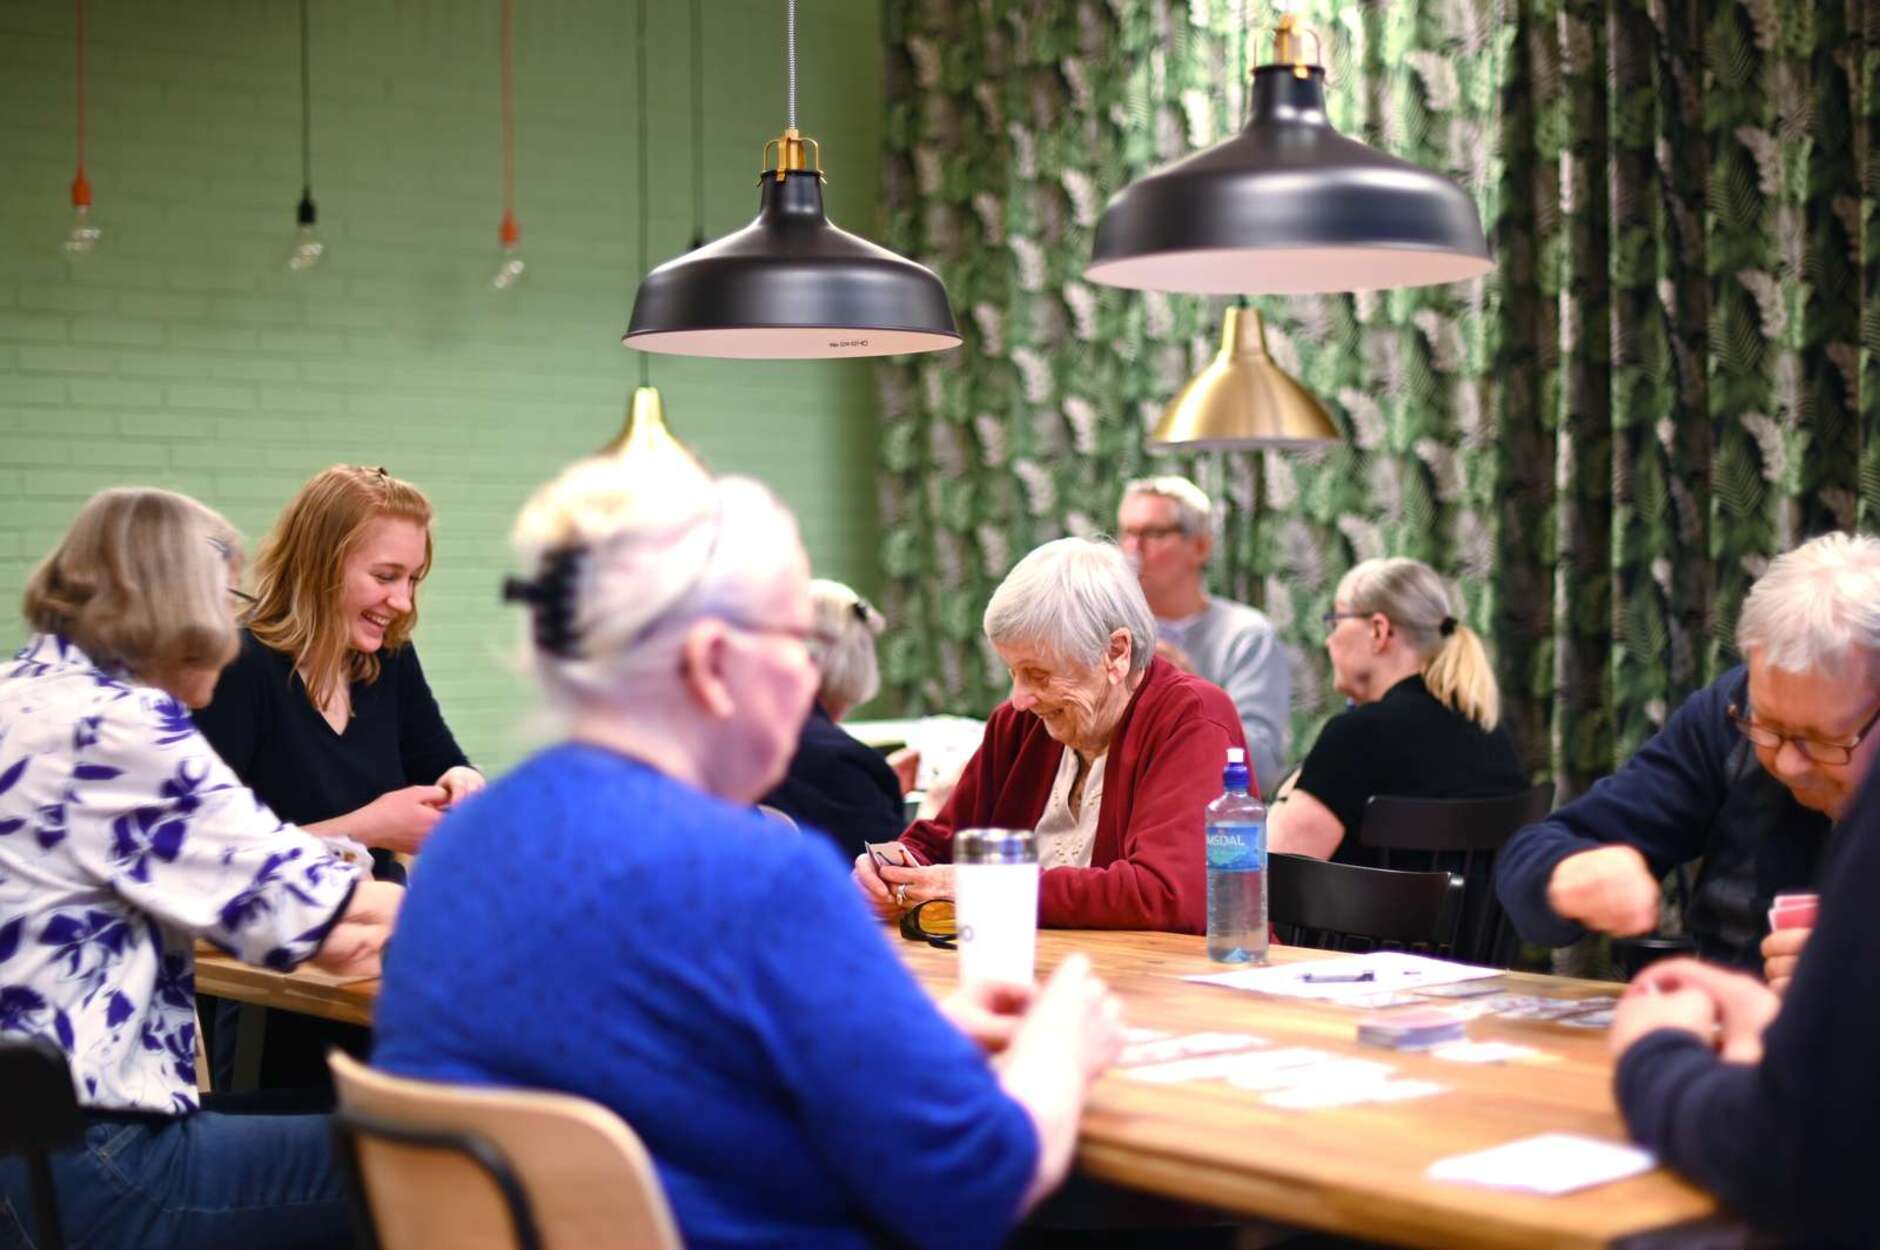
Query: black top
[[265, 725], [1408, 744], [1694, 793], [840, 787], [1790, 1142]]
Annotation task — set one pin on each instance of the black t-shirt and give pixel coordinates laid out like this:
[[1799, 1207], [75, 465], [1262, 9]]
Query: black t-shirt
[[1408, 744], [262, 722]]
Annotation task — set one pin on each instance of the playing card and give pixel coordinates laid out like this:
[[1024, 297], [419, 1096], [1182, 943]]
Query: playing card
[[1794, 911], [1461, 989]]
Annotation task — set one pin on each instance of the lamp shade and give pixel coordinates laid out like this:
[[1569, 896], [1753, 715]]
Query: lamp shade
[[791, 285], [1288, 205], [1242, 400]]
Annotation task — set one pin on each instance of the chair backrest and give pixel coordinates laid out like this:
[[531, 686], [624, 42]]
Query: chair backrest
[[40, 1115], [473, 1168], [1348, 907], [1460, 836]]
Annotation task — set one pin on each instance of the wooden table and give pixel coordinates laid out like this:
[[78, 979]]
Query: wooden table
[[1355, 1170]]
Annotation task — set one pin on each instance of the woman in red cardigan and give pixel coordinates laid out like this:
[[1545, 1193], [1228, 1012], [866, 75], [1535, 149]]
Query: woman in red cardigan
[[1108, 753]]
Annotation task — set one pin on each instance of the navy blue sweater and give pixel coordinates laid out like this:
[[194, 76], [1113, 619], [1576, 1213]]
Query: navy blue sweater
[[1695, 791], [1790, 1142]]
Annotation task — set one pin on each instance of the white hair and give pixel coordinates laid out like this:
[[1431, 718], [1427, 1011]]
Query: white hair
[[844, 651], [657, 544], [1814, 604], [1069, 596], [1194, 511]]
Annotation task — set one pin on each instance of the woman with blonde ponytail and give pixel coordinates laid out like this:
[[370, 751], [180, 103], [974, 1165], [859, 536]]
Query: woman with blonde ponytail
[[1426, 714]]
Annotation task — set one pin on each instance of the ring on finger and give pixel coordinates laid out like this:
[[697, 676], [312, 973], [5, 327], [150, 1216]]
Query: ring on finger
[[900, 894]]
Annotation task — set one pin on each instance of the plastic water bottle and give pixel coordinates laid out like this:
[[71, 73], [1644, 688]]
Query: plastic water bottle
[[1237, 869]]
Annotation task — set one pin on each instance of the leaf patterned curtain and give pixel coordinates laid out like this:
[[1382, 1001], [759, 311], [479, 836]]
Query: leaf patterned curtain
[[1669, 378]]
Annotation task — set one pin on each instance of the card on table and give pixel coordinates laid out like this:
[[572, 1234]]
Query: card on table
[[1551, 1163]]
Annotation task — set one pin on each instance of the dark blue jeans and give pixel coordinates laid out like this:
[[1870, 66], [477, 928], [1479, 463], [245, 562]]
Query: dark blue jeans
[[200, 1182]]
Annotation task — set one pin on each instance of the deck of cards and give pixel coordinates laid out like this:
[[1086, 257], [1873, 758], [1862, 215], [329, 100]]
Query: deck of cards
[[1416, 1028], [1794, 911]]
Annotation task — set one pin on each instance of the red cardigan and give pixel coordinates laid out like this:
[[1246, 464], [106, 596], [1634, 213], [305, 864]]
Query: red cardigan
[[1148, 866]]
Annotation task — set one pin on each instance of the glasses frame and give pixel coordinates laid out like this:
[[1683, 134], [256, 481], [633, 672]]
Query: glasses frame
[[1806, 746], [914, 931], [243, 597], [1330, 619], [1146, 533]]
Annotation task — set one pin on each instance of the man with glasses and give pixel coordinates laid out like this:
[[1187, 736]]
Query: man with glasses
[[1164, 527], [1748, 778]]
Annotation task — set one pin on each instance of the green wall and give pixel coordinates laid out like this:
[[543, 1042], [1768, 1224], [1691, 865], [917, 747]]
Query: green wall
[[183, 354]]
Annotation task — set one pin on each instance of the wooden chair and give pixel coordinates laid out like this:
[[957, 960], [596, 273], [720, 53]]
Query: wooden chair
[[41, 1115], [1463, 837], [1347, 907], [472, 1168]]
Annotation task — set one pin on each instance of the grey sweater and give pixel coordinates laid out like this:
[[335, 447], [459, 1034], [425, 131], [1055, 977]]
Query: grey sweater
[[1235, 647]]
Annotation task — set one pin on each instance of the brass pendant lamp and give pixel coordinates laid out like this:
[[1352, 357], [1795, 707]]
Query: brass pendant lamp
[[1242, 400], [791, 285], [1288, 205]]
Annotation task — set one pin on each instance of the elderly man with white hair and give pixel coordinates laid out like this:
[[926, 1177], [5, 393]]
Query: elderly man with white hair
[[1748, 776], [1109, 753], [1166, 527]]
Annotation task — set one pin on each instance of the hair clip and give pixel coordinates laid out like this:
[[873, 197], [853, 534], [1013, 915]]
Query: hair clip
[[550, 595]]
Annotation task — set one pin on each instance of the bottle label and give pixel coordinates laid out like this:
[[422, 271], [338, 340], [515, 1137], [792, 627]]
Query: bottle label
[[1241, 848]]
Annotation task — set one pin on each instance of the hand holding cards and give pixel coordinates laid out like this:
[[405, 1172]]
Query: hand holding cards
[[1794, 911]]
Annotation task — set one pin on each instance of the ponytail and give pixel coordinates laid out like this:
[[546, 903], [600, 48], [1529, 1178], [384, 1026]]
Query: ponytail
[[1460, 675]]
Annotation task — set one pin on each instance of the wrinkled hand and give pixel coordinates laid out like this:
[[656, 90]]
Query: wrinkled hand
[[1639, 1014], [1781, 951], [867, 874], [400, 820], [989, 1013], [459, 783], [1174, 655], [909, 887], [1610, 890], [1742, 1005]]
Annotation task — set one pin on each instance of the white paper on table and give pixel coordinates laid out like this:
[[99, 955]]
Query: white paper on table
[[1187, 1046], [1391, 971], [1552, 1163]]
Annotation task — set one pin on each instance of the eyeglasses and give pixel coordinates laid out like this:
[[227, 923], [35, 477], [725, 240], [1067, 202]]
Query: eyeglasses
[[808, 635], [1144, 533], [932, 921], [1813, 748], [1330, 619], [243, 597]]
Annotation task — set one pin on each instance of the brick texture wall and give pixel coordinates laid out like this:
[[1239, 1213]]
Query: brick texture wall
[[183, 354]]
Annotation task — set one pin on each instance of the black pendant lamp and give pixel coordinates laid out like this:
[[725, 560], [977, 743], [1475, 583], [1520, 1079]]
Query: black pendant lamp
[[790, 285], [1288, 205]]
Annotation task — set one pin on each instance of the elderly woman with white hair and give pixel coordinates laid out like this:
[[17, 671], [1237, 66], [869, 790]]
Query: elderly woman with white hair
[[1110, 754], [612, 919], [836, 785]]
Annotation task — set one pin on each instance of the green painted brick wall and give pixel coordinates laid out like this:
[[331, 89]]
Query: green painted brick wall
[[183, 354]]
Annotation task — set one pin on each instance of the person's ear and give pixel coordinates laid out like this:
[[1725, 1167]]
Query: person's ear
[[1116, 661], [1204, 547], [1380, 630], [702, 657]]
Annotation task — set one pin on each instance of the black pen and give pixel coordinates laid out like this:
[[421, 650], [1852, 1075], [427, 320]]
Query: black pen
[[1328, 978]]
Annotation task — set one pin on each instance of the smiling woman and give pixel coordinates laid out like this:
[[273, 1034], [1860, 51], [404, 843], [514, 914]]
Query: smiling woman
[[326, 713]]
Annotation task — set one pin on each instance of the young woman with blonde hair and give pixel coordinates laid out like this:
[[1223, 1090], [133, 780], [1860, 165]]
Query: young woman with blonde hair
[[124, 841], [1426, 716], [326, 713]]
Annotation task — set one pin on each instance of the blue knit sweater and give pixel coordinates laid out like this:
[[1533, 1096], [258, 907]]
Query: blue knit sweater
[[589, 925]]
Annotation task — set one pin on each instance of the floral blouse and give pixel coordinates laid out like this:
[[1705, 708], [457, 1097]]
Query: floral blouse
[[123, 839]]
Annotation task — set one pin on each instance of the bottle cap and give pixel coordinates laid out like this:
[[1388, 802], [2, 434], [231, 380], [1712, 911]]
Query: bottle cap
[[1236, 755]]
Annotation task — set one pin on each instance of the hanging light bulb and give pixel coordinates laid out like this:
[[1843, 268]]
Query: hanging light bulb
[[308, 247], [509, 264], [84, 234]]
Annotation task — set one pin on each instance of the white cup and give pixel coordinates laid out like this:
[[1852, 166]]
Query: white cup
[[995, 893]]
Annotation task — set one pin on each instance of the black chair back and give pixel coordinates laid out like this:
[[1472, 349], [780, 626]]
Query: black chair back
[[350, 1124], [42, 1115], [1348, 907], [1463, 837]]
